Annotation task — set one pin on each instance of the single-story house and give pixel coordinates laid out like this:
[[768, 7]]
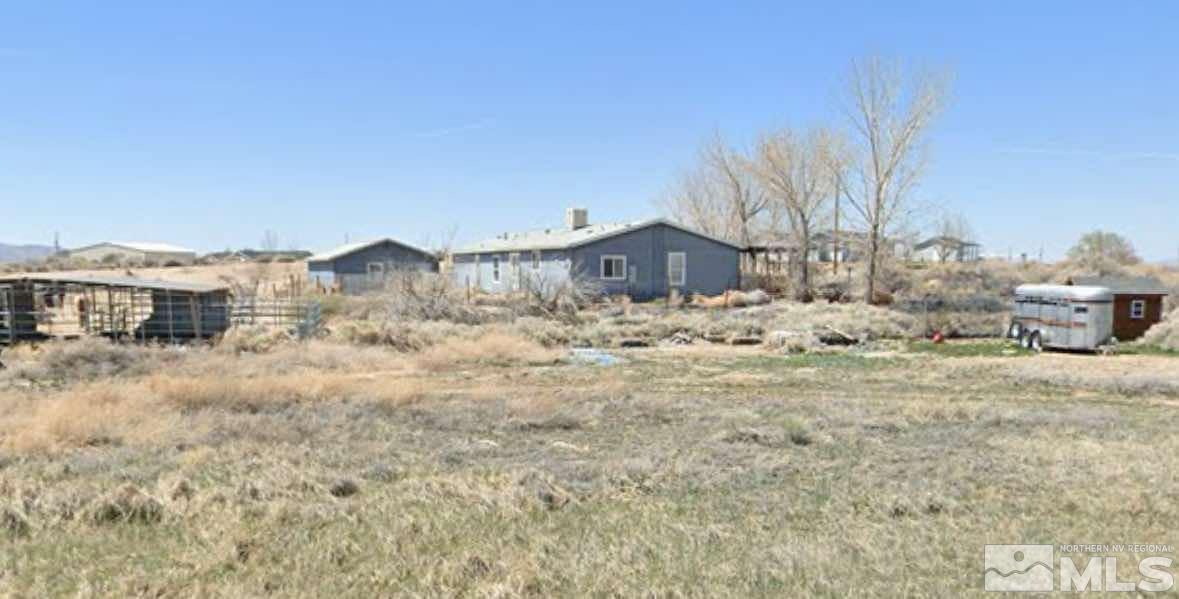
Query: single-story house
[[138, 252], [368, 265], [944, 248], [644, 259], [1138, 302]]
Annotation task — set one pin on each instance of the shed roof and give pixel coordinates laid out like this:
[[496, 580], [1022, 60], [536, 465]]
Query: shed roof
[[1125, 285], [140, 246], [565, 238], [113, 281], [350, 248]]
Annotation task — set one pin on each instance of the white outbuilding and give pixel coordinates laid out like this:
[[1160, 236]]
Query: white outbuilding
[[138, 252]]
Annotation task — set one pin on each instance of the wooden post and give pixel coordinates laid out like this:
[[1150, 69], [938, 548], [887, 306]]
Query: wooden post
[[110, 310], [171, 320], [142, 322], [10, 308], [196, 322]]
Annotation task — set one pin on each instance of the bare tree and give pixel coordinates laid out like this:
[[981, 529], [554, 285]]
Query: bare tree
[[269, 241], [889, 115], [693, 200], [740, 193], [952, 228], [720, 196], [801, 174], [1103, 252]]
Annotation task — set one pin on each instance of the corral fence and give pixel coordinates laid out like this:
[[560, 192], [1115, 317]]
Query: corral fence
[[32, 311]]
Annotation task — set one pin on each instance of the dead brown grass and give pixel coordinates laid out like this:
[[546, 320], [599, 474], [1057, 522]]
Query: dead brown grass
[[103, 413], [269, 392], [495, 348], [281, 474]]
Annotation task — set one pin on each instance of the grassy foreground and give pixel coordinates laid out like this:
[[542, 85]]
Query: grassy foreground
[[688, 471]]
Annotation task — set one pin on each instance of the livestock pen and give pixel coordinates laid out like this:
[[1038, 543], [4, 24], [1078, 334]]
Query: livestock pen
[[41, 307]]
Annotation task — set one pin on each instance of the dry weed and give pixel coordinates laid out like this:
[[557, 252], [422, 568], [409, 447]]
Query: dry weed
[[497, 348], [1165, 334], [97, 414]]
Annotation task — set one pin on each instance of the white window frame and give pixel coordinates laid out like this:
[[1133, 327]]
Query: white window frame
[[495, 268], [683, 271], [374, 272], [1137, 309], [618, 276]]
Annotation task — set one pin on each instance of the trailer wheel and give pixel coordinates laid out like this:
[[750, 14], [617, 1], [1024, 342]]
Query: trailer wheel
[[1035, 343], [1015, 331]]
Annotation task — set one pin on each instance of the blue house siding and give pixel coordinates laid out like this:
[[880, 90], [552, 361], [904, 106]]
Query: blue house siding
[[553, 270], [350, 272], [712, 267]]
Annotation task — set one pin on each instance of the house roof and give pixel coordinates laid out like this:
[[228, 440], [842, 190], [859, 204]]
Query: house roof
[[564, 238], [1124, 285], [140, 246], [113, 281], [945, 241], [350, 248]]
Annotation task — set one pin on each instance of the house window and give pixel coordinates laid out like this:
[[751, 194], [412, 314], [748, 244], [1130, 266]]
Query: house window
[[535, 260], [495, 269], [376, 269], [677, 269], [614, 268], [1138, 309]]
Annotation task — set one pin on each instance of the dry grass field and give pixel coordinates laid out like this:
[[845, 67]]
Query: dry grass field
[[495, 466]]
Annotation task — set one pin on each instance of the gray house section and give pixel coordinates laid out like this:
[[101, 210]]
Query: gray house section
[[367, 266], [644, 260]]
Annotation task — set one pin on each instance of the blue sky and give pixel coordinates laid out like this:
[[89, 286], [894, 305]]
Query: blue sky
[[207, 123]]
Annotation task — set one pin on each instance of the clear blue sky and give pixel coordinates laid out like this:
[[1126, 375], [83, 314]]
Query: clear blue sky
[[206, 123]]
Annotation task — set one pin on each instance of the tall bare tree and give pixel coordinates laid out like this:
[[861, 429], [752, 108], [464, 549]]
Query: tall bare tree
[[720, 195], [890, 115], [739, 191], [800, 173], [694, 201]]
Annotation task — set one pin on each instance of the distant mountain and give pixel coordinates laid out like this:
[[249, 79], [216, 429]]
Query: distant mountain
[[23, 253]]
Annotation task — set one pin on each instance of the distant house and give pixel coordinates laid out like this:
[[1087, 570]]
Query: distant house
[[644, 259], [368, 265], [138, 252], [852, 247], [944, 248], [250, 255], [1138, 302]]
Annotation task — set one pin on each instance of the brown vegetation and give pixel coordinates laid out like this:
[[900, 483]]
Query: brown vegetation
[[322, 468]]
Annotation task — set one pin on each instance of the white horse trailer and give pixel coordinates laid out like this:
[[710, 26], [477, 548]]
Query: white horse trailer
[[1062, 317]]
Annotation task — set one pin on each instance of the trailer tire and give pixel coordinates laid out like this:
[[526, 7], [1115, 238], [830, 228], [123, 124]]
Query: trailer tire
[[1035, 343], [1015, 331]]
